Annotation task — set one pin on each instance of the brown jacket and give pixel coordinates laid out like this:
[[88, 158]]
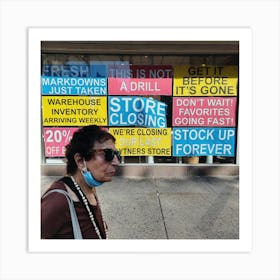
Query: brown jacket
[[56, 220]]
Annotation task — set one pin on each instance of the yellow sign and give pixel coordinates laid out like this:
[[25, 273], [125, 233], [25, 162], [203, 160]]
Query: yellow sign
[[143, 141], [205, 80], [74, 110]]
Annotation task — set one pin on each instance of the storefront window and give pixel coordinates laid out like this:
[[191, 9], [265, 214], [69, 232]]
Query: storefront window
[[162, 108]]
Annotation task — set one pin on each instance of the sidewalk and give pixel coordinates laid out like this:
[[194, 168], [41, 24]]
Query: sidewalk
[[159, 208]]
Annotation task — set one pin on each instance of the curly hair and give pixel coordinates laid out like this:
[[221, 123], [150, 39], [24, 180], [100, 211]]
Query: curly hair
[[82, 143]]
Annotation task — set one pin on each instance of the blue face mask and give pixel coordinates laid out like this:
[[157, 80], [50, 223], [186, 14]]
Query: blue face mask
[[90, 180]]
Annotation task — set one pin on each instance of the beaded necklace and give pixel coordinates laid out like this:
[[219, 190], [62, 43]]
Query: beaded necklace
[[84, 200]]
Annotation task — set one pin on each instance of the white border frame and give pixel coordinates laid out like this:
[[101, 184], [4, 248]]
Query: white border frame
[[243, 35]]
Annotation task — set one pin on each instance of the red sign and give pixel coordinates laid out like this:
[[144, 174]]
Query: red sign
[[133, 86], [56, 138], [140, 71], [206, 111]]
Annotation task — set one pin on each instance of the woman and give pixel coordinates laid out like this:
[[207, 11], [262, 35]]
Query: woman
[[92, 159]]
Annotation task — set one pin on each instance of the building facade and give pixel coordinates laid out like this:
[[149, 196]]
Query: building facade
[[172, 105]]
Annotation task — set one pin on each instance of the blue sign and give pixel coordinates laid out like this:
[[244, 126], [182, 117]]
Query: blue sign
[[204, 141], [71, 69], [136, 111], [95, 69], [73, 86], [100, 69]]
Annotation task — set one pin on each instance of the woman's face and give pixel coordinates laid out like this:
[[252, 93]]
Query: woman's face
[[101, 169]]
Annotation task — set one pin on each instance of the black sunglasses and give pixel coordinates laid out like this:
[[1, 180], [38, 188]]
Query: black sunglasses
[[109, 154]]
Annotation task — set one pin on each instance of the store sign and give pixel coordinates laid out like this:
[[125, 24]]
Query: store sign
[[140, 71], [73, 86], [133, 86], [136, 111], [205, 111], [205, 81], [74, 110], [204, 142], [55, 140], [69, 70], [124, 97], [143, 141]]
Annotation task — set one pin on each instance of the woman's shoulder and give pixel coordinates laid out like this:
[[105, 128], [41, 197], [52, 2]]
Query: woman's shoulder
[[54, 210], [56, 185]]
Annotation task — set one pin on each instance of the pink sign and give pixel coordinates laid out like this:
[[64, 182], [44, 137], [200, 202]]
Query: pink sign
[[133, 86], [56, 139], [140, 71], [152, 71], [205, 111]]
